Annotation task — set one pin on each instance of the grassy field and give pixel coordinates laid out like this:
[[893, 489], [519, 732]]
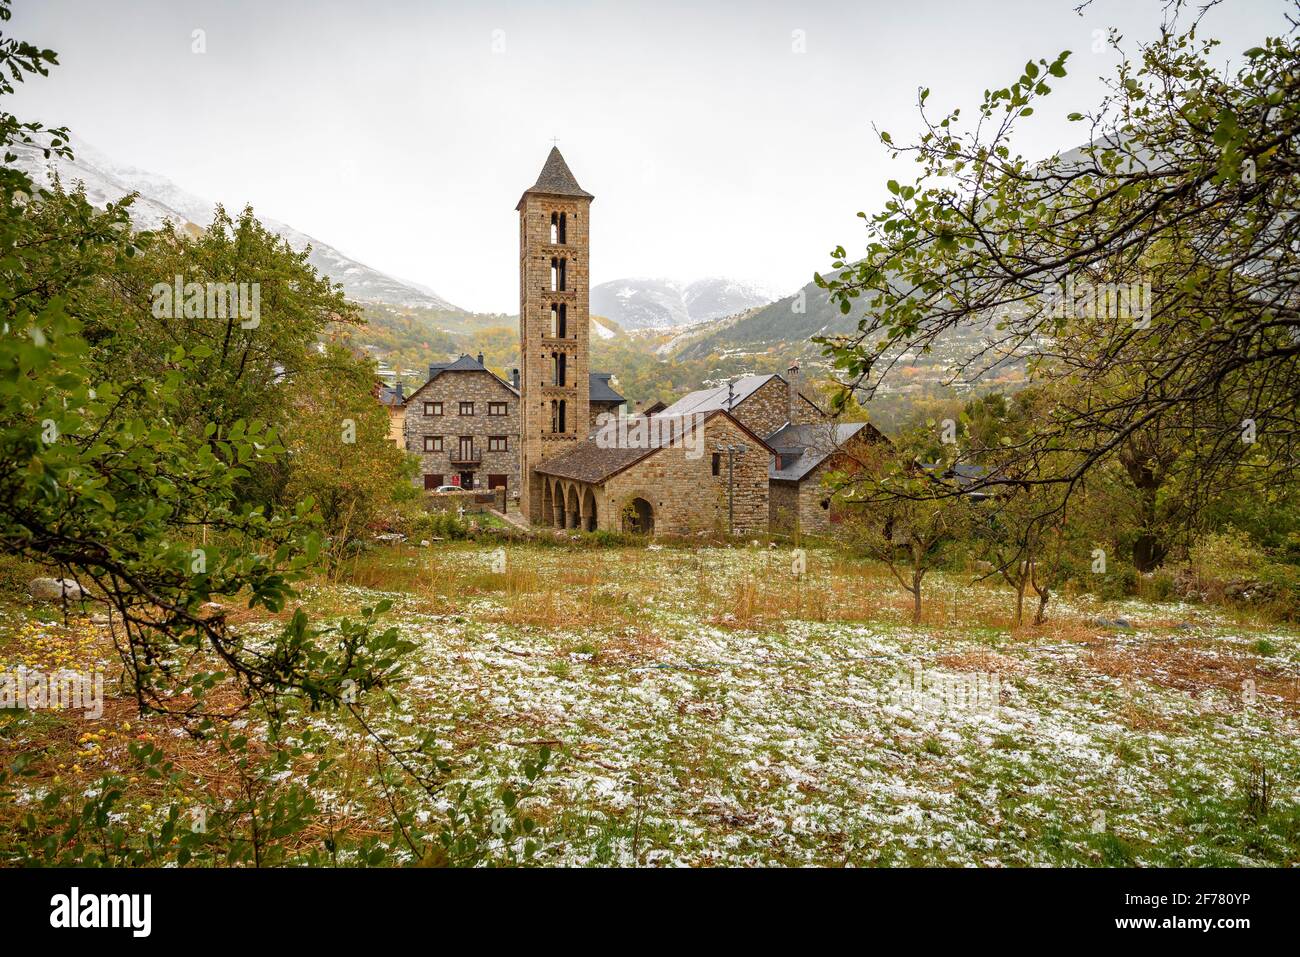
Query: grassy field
[[705, 707]]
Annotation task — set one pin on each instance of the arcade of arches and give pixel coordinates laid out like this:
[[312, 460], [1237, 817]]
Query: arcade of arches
[[573, 505]]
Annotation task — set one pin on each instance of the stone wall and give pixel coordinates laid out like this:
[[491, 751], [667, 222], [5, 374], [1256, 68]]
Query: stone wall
[[601, 408], [783, 506], [471, 502], [685, 494], [766, 409], [452, 388]]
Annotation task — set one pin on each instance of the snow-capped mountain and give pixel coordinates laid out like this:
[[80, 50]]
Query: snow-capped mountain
[[667, 303], [160, 200]]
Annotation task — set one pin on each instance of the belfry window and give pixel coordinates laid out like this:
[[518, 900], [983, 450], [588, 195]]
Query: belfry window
[[557, 416], [561, 325], [557, 274], [559, 368], [557, 229]]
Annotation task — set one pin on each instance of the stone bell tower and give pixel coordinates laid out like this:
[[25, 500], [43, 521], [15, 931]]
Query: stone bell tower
[[554, 328]]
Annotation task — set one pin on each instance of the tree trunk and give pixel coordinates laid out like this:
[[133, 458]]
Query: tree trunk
[[917, 574], [1044, 596], [1148, 552]]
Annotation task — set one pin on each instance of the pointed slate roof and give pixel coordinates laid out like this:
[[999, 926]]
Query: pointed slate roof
[[556, 179]]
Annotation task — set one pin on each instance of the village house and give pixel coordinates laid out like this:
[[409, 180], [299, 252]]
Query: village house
[[463, 423], [805, 454]]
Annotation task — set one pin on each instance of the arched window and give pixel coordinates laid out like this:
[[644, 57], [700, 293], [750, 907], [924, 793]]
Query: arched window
[[563, 427], [559, 368], [557, 229], [562, 322]]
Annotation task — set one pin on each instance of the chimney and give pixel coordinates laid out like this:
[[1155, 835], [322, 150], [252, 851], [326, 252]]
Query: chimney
[[400, 397], [480, 358], [514, 378], [433, 371], [792, 380]]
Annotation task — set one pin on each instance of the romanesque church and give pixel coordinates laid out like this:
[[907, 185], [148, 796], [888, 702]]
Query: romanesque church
[[757, 461]]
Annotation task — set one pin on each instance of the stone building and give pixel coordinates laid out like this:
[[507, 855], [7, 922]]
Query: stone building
[[805, 455], [764, 403], [603, 399], [463, 423], [665, 485], [578, 475]]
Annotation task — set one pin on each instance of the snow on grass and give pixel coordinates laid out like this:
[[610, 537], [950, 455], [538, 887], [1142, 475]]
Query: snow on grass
[[705, 709], [684, 739]]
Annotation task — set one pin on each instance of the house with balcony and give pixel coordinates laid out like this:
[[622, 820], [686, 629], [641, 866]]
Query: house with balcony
[[463, 423]]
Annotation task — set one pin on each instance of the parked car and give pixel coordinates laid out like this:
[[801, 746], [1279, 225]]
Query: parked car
[[449, 488]]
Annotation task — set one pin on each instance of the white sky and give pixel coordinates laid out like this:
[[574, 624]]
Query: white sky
[[394, 132]]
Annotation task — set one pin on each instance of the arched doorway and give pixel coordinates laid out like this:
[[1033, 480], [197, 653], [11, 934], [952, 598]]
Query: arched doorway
[[639, 517], [589, 511]]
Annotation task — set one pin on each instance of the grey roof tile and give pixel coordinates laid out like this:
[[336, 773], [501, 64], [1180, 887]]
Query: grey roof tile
[[556, 179]]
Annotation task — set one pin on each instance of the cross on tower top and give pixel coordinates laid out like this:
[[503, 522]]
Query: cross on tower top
[[555, 141]]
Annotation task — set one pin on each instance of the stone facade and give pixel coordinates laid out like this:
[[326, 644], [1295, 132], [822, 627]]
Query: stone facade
[[798, 506], [684, 495], [553, 276], [467, 439], [767, 408], [597, 410]]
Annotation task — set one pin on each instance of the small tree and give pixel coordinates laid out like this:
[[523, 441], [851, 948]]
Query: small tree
[[339, 449], [902, 522]]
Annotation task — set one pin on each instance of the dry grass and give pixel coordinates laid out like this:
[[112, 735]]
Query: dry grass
[[1190, 666]]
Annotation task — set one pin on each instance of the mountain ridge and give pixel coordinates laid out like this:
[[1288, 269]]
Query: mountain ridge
[[160, 200]]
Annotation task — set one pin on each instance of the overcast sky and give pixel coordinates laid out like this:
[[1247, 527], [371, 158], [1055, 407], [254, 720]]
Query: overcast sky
[[403, 131]]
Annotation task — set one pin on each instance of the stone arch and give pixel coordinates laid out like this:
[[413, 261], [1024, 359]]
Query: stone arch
[[571, 508], [589, 511], [548, 505], [557, 505], [638, 514]]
